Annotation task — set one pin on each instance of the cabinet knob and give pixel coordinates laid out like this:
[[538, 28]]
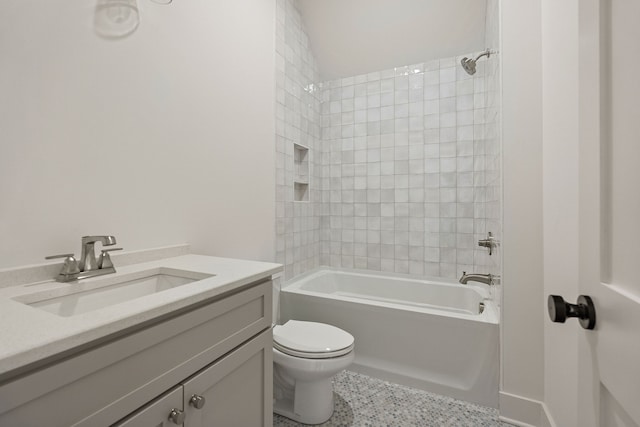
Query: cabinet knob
[[177, 416], [197, 401]]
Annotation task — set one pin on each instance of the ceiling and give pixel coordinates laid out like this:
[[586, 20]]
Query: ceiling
[[352, 37]]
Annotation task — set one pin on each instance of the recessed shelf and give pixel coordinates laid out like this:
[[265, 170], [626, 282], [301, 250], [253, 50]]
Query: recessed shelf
[[300, 173], [300, 192]]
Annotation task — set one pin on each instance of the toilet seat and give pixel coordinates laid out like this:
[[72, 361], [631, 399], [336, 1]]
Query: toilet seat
[[311, 340]]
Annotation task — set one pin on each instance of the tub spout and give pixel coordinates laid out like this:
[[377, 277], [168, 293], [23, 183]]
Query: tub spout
[[487, 279]]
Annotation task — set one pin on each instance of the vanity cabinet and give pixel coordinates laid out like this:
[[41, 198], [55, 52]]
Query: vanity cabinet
[[229, 392], [220, 350]]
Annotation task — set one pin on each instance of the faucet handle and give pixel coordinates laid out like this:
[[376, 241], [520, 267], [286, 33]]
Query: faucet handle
[[104, 260], [70, 264], [490, 243], [59, 256]]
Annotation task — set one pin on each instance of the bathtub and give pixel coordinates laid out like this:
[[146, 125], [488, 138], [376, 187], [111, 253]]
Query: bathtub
[[439, 336]]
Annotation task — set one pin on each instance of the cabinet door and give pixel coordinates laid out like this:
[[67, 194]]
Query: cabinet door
[[157, 412], [237, 389]]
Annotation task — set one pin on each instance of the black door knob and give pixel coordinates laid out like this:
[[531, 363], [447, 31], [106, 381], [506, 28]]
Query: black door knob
[[584, 310]]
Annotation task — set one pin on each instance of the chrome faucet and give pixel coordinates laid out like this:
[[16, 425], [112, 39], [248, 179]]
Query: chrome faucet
[[88, 266], [88, 257], [487, 279]]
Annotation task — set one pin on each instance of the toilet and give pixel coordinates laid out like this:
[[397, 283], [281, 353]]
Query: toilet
[[306, 355]]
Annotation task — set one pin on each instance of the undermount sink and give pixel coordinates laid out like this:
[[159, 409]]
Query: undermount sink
[[109, 291]]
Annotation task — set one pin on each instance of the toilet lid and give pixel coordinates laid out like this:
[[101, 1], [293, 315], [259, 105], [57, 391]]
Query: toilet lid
[[311, 340]]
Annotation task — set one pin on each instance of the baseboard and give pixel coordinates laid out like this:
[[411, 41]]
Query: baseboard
[[524, 412]]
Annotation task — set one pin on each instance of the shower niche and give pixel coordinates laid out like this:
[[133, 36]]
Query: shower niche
[[300, 173]]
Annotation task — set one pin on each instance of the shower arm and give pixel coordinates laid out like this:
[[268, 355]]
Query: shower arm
[[487, 54]]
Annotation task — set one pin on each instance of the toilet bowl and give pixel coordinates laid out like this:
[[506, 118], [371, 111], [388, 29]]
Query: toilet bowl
[[306, 355]]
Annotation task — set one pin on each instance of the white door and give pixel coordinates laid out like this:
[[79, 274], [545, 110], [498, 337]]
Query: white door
[[609, 224]]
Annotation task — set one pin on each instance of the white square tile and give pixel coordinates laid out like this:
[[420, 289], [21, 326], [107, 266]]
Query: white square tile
[[401, 110], [447, 105], [464, 103], [387, 99], [388, 112], [373, 76], [448, 164], [360, 90], [373, 115], [347, 92], [464, 87], [432, 121], [373, 101], [387, 265], [401, 96], [416, 109], [431, 136], [401, 181], [416, 81], [373, 87], [360, 103], [447, 90], [432, 77], [416, 95], [432, 92], [402, 82], [447, 75], [387, 127], [447, 120], [401, 195], [465, 164], [432, 107], [432, 269], [465, 118]]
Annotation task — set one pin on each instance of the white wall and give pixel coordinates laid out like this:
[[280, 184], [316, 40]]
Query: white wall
[[162, 137], [561, 240], [523, 299], [540, 84], [352, 37]]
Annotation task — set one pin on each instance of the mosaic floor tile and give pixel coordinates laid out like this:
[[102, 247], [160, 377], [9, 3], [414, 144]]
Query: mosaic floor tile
[[362, 401]]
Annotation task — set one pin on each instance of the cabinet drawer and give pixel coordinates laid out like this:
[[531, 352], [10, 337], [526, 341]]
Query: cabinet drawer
[[101, 385]]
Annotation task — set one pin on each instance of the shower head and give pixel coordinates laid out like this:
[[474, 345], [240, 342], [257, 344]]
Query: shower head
[[469, 64]]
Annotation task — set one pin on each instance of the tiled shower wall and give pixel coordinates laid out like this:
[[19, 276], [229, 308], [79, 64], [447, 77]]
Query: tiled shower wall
[[404, 163], [404, 167], [490, 215], [297, 121]]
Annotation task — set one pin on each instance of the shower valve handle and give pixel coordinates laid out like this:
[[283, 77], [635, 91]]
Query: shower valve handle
[[490, 243]]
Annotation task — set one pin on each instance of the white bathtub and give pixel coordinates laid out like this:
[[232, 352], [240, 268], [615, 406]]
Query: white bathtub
[[432, 335]]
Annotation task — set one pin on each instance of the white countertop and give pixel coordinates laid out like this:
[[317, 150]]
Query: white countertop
[[29, 335]]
